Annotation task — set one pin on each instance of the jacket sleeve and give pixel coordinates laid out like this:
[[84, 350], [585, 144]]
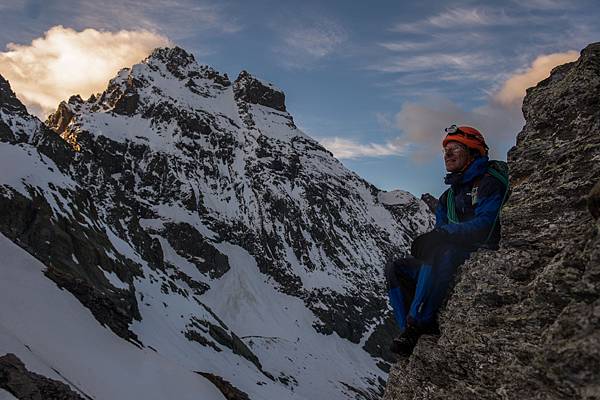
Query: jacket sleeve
[[441, 211], [490, 195]]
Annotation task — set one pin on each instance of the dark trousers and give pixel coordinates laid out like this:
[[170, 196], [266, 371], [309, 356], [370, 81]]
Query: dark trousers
[[417, 290]]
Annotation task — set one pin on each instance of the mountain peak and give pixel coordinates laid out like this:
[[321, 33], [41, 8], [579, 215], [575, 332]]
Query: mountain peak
[[8, 98], [172, 55], [256, 91], [183, 65], [16, 124]]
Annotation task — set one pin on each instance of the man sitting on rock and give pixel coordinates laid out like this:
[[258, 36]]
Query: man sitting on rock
[[466, 219]]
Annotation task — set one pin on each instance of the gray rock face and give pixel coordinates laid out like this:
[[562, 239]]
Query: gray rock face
[[252, 90], [27, 385], [593, 201], [16, 125], [8, 99], [431, 201], [524, 321], [229, 391]]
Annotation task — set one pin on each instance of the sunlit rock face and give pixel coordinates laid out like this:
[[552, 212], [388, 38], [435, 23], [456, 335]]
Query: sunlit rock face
[[523, 322], [192, 217]]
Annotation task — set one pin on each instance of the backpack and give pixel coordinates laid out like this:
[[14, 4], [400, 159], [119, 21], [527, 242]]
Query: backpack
[[499, 170]]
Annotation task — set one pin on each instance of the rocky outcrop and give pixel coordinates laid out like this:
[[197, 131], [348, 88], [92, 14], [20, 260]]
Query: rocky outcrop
[[431, 201], [27, 385], [9, 100], [62, 117], [593, 201], [229, 391], [524, 321], [252, 90], [16, 125]]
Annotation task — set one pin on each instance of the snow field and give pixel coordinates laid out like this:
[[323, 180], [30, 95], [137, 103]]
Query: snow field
[[49, 330]]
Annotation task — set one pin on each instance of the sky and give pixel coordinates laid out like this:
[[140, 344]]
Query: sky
[[375, 82]]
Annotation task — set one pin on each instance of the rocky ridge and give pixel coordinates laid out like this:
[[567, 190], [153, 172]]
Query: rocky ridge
[[524, 321], [191, 216], [26, 385]]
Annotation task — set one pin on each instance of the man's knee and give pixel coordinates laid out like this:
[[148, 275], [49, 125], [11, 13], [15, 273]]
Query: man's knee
[[450, 256], [393, 269]]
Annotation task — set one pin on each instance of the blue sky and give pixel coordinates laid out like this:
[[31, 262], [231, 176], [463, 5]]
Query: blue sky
[[375, 81]]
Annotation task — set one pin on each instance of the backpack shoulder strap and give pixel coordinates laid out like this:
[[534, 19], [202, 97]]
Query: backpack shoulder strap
[[502, 176], [498, 175], [451, 207]]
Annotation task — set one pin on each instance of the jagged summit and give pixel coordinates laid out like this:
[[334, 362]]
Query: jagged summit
[[8, 99], [172, 99], [16, 124], [172, 56], [248, 88], [183, 65]]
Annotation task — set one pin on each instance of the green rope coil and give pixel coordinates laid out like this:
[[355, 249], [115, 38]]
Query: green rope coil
[[451, 214]]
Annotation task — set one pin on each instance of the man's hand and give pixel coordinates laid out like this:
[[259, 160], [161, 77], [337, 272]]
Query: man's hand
[[424, 246]]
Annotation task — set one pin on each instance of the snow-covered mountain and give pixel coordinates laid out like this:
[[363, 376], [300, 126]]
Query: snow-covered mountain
[[188, 214]]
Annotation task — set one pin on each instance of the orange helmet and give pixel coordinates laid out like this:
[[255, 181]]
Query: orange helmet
[[468, 136]]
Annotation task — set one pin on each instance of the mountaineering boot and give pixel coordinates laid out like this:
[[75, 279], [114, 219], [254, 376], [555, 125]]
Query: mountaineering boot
[[404, 343]]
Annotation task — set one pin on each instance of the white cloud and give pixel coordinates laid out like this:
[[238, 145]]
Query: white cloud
[[469, 44], [513, 90], [459, 19], [545, 4], [407, 45], [430, 61], [211, 16], [347, 149], [436, 40], [176, 18], [303, 45], [316, 41], [66, 62]]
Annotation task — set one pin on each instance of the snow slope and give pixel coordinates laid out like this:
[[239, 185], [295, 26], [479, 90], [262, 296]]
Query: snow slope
[[61, 339]]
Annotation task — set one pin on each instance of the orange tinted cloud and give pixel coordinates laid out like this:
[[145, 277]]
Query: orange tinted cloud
[[513, 90], [65, 62]]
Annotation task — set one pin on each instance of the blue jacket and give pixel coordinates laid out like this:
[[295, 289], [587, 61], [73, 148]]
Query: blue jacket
[[477, 207]]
